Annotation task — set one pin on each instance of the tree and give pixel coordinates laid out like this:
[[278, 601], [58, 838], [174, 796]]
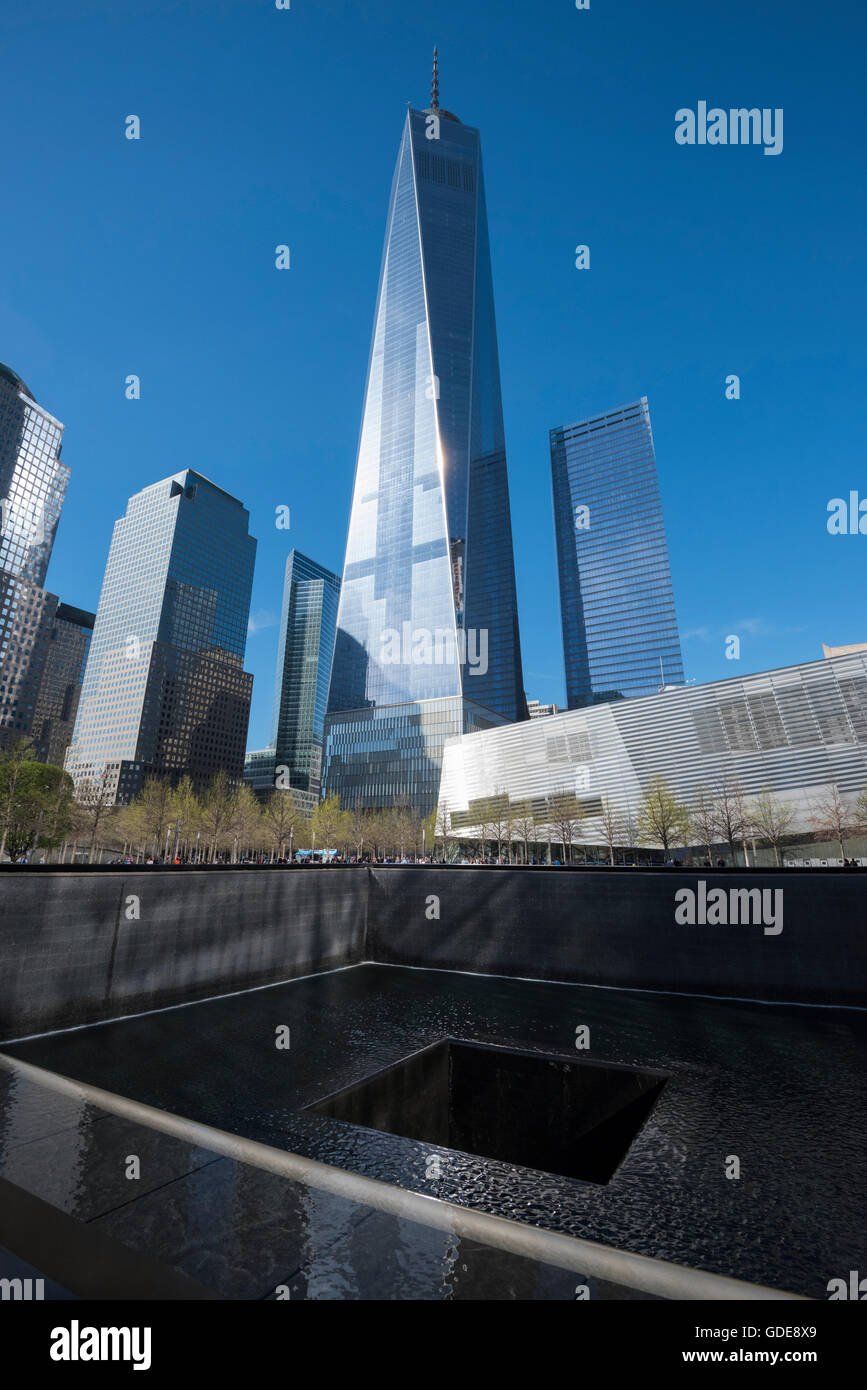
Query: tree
[[407, 826], [151, 813], [186, 812], [662, 819], [217, 810], [501, 819], [40, 809], [703, 815], [612, 826], [834, 817], [861, 810], [508, 828], [730, 814], [374, 832], [382, 831], [59, 810], [443, 828], [630, 827], [429, 827], [525, 826], [282, 818], [357, 824], [772, 819], [14, 758], [483, 813], [326, 822], [564, 817], [246, 826], [95, 809]]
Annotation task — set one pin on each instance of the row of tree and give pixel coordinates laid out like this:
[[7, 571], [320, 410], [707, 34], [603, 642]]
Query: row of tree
[[722, 815], [41, 811], [227, 821]]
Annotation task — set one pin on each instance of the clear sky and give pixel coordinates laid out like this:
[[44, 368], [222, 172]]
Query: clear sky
[[261, 127]]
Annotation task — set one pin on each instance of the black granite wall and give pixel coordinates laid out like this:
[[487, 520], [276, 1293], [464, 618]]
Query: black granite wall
[[72, 949], [618, 928]]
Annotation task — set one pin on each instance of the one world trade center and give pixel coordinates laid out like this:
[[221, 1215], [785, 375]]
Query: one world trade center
[[427, 642]]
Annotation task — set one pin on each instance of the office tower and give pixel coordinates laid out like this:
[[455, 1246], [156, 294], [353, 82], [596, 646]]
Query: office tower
[[165, 692], [33, 481], [307, 627], [427, 632], [67, 642], [620, 634], [33, 485]]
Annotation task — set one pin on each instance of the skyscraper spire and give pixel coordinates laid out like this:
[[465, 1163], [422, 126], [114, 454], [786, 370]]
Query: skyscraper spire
[[435, 84]]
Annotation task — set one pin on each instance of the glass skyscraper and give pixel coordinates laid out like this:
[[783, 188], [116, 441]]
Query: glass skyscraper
[[427, 632], [165, 691], [620, 634], [56, 705], [307, 627], [33, 481], [43, 642]]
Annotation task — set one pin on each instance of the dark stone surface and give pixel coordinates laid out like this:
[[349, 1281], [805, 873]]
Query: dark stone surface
[[779, 1087], [53, 1167], [386, 1258], [618, 928], [235, 1230], [70, 956]]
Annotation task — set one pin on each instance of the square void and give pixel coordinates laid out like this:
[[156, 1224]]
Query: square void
[[575, 1119]]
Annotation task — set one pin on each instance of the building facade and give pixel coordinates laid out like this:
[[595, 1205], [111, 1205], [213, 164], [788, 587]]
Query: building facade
[[60, 681], [392, 755], [620, 636], [535, 710], [33, 481], [308, 622], [165, 691], [42, 642], [428, 610], [799, 732]]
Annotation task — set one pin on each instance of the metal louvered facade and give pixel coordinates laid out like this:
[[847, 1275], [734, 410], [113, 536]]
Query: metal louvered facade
[[797, 731]]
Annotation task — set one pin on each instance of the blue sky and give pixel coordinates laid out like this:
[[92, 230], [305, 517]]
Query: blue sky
[[262, 127]]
